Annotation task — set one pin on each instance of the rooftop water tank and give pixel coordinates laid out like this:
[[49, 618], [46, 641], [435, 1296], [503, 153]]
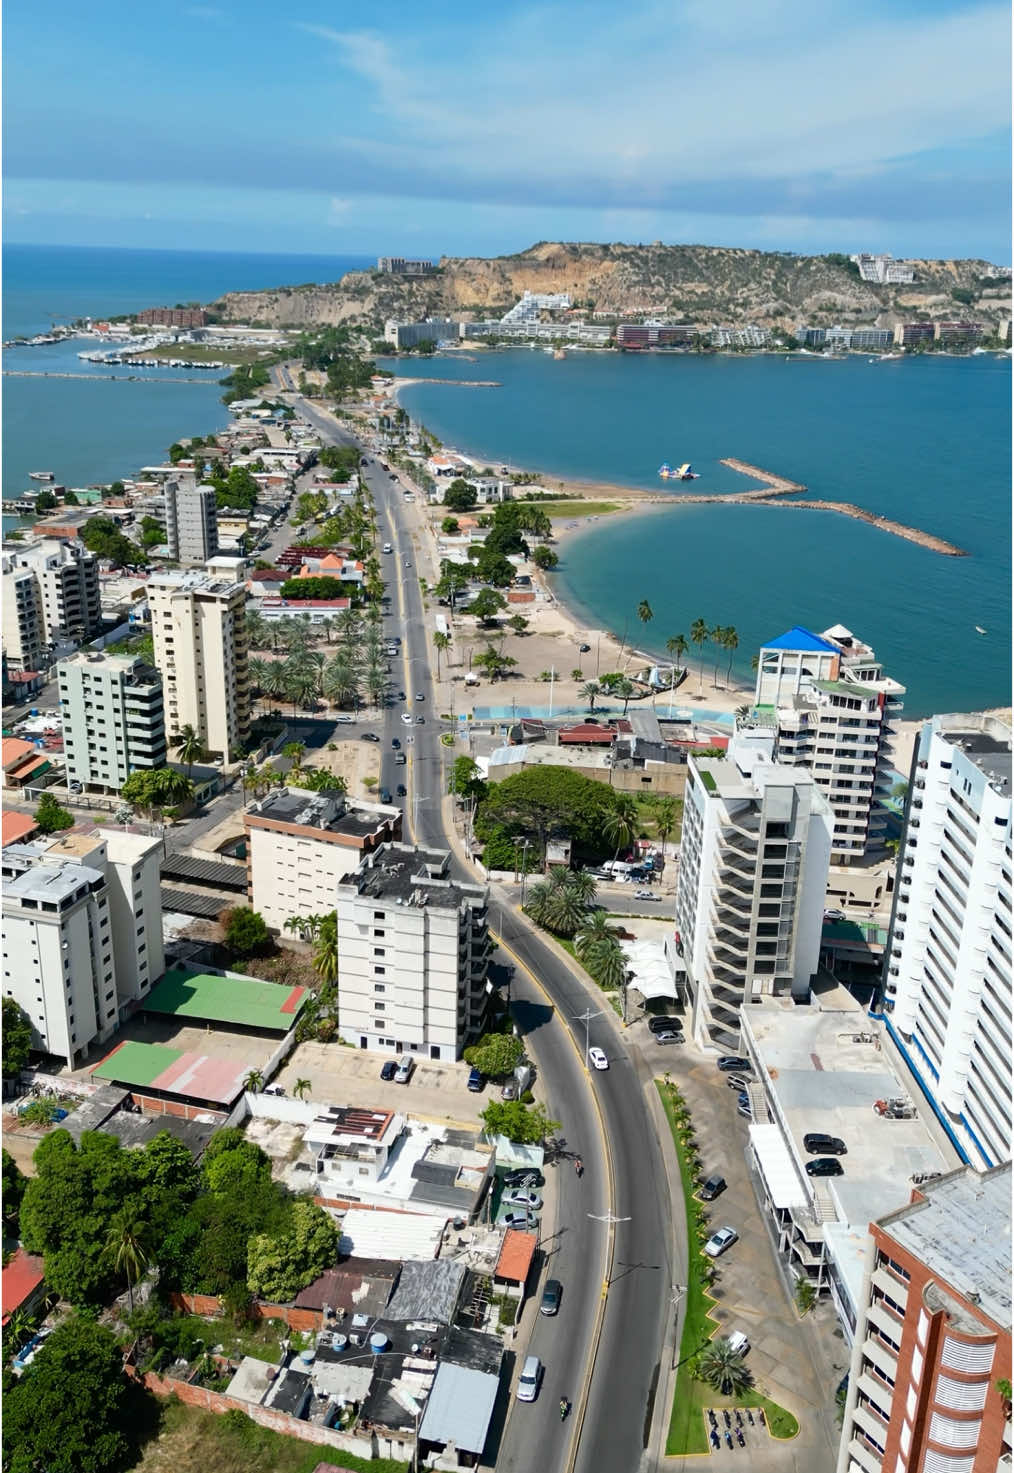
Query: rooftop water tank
[[378, 1342]]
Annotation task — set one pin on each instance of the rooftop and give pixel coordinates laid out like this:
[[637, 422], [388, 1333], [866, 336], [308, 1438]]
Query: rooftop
[[392, 1235], [174, 1071], [407, 874], [229, 999], [961, 1232], [22, 1275], [48, 883], [987, 747], [427, 1290], [16, 826], [194, 581], [459, 1407], [798, 638], [348, 1121], [332, 812], [516, 1254]]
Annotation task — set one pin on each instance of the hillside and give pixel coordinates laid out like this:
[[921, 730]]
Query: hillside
[[680, 283]]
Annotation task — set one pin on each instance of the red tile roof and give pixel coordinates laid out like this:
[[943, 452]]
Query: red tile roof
[[16, 826], [587, 731], [21, 1278], [516, 1256]]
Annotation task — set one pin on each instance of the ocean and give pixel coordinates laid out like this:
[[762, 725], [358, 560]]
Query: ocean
[[925, 441], [95, 430]]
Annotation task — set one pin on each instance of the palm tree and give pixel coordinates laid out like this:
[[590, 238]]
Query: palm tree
[[252, 1080], [325, 956], [377, 684], [723, 1368], [620, 824], [595, 930], [732, 645], [174, 786], [608, 965], [557, 903], [666, 819], [698, 635], [676, 647], [189, 746], [347, 624], [582, 884], [717, 637], [257, 630], [341, 678], [645, 612], [301, 1088], [590, 690], [295, 751], [624, 689], [441, 642], [127, 1244]]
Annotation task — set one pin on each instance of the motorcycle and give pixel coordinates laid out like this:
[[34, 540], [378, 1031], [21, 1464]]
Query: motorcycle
[[564, 1408], [579, 1166], [740, 1438]]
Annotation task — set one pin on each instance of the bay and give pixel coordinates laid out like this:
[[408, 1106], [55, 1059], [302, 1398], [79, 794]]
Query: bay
[[924, 441]]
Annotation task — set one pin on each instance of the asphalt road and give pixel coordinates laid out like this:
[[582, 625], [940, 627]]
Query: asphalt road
[[637, 1298]]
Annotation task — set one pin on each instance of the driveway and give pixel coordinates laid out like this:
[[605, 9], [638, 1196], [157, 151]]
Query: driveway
[[345, 1076]]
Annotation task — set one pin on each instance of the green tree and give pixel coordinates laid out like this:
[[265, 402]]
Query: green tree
[[128, 1243], [596, 930], [50, 817], [518, 623], [246, 931], [278, 1266], [522, 1124], [494, 662], [189, 747], [441, 643], [253, 1081], [645, 612], [453, 581], [450, 525], [723, 1368], [102, 536], [548, 801], [465, 780], [317, 587], [676, 647], [325, 953], [545, 558], [620, 825], [319, 780], [14, 1183], [496, 1054], [608, 965], [460, 495], [731, 643], [590, 690], [295, 751], [341, 677], [492, 567], [486, 605], [717, 637], [699, 637], [560, 902], [17, 1038], [73, 1410], [301, 1088], [666, 817]]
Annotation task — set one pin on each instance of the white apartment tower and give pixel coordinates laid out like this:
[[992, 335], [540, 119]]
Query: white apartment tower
[[833, 710], [414, 950], [199, 631], [750, 895], [82, 934], [113, 718], [191, 521], [24, 628], [947, 985], [68, 578]]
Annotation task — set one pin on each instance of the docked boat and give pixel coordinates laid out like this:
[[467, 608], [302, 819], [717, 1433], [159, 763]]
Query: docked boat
[[42, 475]]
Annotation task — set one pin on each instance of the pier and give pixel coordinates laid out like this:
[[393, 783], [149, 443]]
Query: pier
[[100, 378]]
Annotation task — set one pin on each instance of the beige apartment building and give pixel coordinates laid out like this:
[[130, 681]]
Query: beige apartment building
[[199, 631]]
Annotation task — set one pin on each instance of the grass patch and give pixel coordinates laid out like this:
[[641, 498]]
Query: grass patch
[[577, 508], [192, 1441], [781, 1423]]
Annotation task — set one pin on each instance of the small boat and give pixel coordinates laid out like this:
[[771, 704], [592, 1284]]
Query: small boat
[[979, 629], [41, 475], [681, 473]]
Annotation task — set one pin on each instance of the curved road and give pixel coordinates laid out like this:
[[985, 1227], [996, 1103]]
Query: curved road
[[609, 1105]]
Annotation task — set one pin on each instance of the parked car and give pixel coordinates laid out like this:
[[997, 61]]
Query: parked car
[[738, 1343], [665, 1024], [530, 1379], [388, 1069], [476, 1080], [667, 1036], [739, 1081], [732, 1063], [522, 1221], [343, 720], [712, 1188], [523, 1176], [404, 1071], [519, 1198], [584, 648], [598, 1059], [824, 1145], [744, 1110], [551, 1296], [825, 1166], [720, 1241], [834, 915]]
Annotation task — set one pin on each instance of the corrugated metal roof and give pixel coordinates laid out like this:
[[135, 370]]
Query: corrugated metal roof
[[391, 1235], [459, 1407]]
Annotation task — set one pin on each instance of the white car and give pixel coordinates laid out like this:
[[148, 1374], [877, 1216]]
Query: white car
[[343, 720], [718, 1242], [518, 1198], [406, 717], [646, 895], [528, 1381], [597, 1059]]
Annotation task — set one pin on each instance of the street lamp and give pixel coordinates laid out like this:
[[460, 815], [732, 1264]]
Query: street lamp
[[586, 1018], [677, 1299], [526, 844]]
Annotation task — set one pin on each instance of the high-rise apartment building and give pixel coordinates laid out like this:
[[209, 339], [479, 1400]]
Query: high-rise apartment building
[[191, 521], [947, 985], [414, 948], [199, 632], [929, 1385], [68, 578], [750, 895], [82, 934], [113, 718], [24, 631], [833, 709]]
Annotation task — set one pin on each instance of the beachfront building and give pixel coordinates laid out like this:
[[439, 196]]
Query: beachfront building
[[199, 632], [531, 330], [532, 304], [929, 1384], [833, 709], [749, 336], [911, 334], [947, 985], [300, 845], [24, 631], [411, 334], [191, 521], [399, 266], [68, 578], [634, 335], [414, 948], [883, 269], [750, 894], [82, 934], [113, 718]]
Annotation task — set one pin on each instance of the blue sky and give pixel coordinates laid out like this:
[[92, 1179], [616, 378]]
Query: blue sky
[[458, 128]]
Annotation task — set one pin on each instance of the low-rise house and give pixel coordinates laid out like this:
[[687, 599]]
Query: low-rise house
[[23, 1283]]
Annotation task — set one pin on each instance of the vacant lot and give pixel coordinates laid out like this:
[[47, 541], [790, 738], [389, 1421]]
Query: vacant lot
[[192, 1441]]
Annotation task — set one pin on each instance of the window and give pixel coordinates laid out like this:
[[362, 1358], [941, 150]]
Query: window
[[379, 951], [378, 1007], [379, 971], [379, 987]]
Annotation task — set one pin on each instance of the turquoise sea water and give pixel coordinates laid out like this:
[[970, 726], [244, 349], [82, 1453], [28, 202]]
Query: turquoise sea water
[[925, 441]]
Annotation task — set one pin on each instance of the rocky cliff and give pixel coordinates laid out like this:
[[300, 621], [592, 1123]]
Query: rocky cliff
[[705, 284]]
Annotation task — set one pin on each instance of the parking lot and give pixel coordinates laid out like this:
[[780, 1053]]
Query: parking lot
[[344, 1076]]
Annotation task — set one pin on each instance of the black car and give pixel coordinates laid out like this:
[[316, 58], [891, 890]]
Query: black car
[[385, 795], [823, 1145], [388, 1070], [395, 743], [825, 1166], [712, 1188], [370, 736], [551, 1296], [523, 1177], [584, 648], [401, 790], [665, 1025], [732, 1064]]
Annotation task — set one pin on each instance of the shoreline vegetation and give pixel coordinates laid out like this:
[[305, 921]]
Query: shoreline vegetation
[[770, 493]]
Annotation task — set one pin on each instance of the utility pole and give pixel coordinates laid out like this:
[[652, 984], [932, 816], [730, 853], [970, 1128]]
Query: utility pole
[[586, 1018], [525, 846], [677, 1299], [552, 680]]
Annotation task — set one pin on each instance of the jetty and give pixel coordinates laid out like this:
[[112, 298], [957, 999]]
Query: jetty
[[100, 378], [775, 487]]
